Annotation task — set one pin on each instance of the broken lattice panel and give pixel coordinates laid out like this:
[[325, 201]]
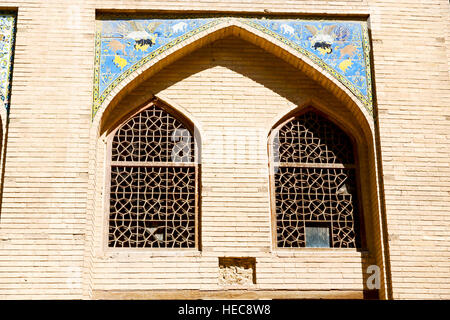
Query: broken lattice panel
[[315, 182]]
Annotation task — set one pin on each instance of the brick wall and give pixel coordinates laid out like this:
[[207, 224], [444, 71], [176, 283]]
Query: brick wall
[[52, 241]]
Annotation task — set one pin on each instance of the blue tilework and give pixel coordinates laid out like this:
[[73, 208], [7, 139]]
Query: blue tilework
[[339, 47]]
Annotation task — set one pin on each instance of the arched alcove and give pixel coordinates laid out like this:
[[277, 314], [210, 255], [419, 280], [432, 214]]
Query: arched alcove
[[344, 111]]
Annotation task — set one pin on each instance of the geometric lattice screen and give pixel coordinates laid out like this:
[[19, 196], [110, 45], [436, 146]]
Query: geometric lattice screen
[[315, 185], [153, 202]]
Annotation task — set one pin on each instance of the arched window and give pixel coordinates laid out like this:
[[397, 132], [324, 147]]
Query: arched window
[[153, 188], [314, 184]]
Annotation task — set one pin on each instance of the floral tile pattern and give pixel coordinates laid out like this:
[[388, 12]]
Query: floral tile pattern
[[125, 44], [7, 31]]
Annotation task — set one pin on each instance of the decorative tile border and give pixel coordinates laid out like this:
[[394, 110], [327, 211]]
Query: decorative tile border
[[123, 45], [7, 34], [340, 48]]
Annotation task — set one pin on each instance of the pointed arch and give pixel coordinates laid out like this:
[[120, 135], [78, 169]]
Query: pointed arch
[[314, 183], [224, 28], [153, 186]]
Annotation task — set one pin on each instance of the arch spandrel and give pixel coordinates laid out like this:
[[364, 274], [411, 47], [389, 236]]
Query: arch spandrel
[[334, 53]]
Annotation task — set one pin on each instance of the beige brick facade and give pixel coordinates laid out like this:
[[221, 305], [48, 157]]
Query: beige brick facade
[[234, 86]]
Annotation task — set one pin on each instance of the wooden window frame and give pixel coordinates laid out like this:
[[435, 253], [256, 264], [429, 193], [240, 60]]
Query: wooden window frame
[[109, 164], [272, 188]]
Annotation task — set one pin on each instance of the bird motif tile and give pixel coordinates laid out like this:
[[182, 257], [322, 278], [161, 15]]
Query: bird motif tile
[[125, 44]]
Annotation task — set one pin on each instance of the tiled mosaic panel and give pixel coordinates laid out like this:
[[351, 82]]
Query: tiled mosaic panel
[[7, 22], [340, 45], [124, 45]]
